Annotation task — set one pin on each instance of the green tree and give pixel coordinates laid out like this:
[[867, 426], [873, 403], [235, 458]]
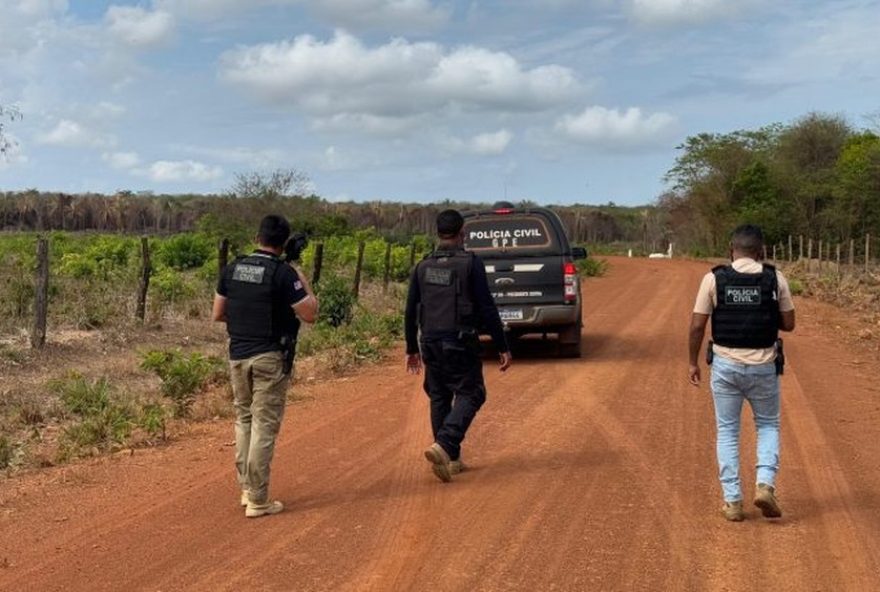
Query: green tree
[[857, 190]]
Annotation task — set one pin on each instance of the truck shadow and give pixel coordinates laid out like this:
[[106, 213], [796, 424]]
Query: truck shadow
[[594, 347]]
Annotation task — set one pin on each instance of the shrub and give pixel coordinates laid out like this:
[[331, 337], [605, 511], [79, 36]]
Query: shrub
[[796, 286], [185, 251], [152, 420], [101, 421], [82, 397], [183, 376], [336, 299], [590, 267], [171, 286]]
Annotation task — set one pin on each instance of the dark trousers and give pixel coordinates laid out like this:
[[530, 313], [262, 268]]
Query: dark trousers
[[454, 383]]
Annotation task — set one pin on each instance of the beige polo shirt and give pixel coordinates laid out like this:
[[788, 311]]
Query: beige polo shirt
[[707, 299]]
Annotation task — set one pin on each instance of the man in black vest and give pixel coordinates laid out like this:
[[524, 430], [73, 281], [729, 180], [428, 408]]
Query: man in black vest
[[749, 303], [262, 300], [449, 302]]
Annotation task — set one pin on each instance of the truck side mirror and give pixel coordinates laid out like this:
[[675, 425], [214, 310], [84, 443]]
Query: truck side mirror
[[578, 253]]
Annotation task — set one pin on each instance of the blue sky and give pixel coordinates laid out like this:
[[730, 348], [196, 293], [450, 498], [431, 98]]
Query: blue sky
[[559, 101]]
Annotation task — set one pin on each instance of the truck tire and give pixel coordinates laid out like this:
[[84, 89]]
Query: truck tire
[[570, 340]]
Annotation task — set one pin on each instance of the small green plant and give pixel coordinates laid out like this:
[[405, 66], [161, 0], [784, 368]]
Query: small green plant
[[183, 375], [171, 286], [796, 286], [101, 421], [336, 299], [152, 420], [185, 251], [591, 267]]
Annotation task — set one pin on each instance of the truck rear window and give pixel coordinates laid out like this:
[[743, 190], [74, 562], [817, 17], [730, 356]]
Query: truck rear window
[[509, 232]]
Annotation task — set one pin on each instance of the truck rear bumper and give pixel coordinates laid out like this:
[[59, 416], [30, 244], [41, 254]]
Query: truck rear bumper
[[541, 317]]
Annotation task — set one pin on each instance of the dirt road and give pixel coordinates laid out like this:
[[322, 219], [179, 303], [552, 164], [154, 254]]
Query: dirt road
[[592, 474]]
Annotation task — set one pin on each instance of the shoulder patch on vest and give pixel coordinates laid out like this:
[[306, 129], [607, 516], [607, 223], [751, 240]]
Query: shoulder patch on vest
[[249, 274]]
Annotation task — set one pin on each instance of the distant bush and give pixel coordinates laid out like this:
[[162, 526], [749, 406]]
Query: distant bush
[[171, 286], [337, 300], [183, 375], [591, 267], [796, 286], [185, 251]]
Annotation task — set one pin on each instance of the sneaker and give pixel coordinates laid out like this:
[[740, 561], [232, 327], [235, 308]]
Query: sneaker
[[456, 467], [244, 498], [439, 460], [256, 510], [733, 511], [765, 499]]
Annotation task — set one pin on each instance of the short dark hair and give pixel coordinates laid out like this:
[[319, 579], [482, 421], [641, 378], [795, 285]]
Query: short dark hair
[[449, 223], [274, 231], [748, 239]]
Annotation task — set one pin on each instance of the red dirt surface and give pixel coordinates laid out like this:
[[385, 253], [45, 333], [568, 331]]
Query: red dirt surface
[[591, 474]]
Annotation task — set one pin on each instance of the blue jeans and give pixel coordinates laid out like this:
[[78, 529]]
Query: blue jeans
[[733, 383]]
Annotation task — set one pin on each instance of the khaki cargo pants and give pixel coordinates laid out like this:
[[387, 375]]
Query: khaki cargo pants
[[260, 392]]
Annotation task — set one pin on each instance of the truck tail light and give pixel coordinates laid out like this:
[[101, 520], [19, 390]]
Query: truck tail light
[[569, 272]]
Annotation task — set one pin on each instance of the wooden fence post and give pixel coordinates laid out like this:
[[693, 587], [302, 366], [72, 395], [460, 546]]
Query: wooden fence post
[[387, 277], [358, 268], [810, 255], [820, 255], [222, 256], [852, 253], [319, 263], [146, 270], [790, 250], [41, 297], [800, 246], [774, 253]]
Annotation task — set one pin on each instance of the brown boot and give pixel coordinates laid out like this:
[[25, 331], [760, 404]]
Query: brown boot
[[439, 460], [733, 511], [765, 499]]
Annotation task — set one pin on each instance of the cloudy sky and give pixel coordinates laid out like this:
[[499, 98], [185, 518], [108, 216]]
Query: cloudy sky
[[557, 101]]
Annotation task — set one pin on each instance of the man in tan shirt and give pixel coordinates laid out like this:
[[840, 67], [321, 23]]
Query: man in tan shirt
[[749, 303]]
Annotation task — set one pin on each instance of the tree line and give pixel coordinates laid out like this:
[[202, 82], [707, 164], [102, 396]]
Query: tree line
[[818, 177]]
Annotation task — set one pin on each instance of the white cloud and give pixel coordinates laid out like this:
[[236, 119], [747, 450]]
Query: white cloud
[[138, 27], [40, 8], [255, 158], [486, 144], [165, 171], [72, 134], [613, 128], [344, 78], [683, 11], [380, 14], [841, 42], [356, 14], [121, 160]]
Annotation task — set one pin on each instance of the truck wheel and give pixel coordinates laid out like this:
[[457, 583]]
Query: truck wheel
[[570, 341]]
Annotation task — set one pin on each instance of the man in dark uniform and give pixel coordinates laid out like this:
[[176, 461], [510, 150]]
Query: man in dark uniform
[[749, 303], [262, 300], [449, 302]]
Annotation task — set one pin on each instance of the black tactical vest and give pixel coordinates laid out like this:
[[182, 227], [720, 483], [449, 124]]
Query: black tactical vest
[[747, 312], [447, 301], [253, 308]]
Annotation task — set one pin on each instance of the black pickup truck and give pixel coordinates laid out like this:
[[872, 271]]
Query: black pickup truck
[[531, 270]]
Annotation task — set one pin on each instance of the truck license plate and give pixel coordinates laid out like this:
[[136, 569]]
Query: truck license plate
[[511, 314]]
